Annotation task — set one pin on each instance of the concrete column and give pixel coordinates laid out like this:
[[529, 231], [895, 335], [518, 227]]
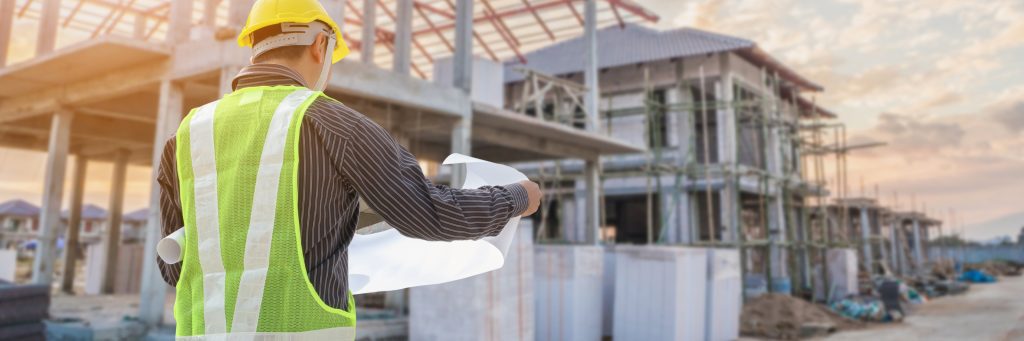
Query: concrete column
[[210, 13], [462, 78], [590, 64], [917, 245], [154, 290], [180, 21], [865, 235], [727, 151], [139, 31], [6, 21], [71, 249], [403, 37], [592, 201], [46, 41], [675, 207], [115, 213], [369, 30], [238, 11], [777, 235], [53, 191]]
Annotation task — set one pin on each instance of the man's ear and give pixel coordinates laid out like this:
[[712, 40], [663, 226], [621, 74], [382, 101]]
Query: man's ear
[[319, 48]]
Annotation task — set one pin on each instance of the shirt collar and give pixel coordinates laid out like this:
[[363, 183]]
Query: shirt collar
[[266, 74]]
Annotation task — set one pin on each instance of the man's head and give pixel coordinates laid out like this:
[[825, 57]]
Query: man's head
[[307, 60], [295, 33]]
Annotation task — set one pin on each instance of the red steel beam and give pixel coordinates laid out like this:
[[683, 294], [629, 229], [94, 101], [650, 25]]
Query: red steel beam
[[74, 11], [576, 14], [476, 36], [500, 22], [618, 17], [430, 23], [635, 9], [21, 12], [504, 13], [119, 16], [509, 40], [432, 9], [539, 20], [415, 42]]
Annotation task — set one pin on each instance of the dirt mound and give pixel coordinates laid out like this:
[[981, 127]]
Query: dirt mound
[[789, 318]]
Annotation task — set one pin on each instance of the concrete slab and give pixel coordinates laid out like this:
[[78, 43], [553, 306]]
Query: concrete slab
[[493, 306], [660, 293], [569, 292]]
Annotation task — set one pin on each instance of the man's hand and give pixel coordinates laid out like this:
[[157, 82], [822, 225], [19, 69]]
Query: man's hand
[[533, 190]]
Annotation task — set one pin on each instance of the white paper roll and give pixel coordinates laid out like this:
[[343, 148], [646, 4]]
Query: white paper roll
[[169, 248], [387, 260]]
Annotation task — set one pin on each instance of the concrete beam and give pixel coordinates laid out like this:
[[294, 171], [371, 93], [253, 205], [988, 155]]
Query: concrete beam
[[210, 13], [105, 87], [53, 191], [154, 290], [6, 21], [462, 78], [402, 59], [369, 37], [115, 212], [71, 249], [46, 40]]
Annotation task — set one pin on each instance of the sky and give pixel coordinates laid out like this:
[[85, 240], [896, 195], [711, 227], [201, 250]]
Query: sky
[[940, 81]]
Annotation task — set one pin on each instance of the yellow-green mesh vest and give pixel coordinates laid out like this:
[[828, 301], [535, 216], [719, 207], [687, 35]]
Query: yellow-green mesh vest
[[240, 125]]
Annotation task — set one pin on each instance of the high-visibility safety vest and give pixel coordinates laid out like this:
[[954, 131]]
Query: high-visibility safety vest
[[243, 275]]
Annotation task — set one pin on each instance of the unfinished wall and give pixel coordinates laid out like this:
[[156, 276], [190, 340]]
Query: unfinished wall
[[660, 293], [493, 306]]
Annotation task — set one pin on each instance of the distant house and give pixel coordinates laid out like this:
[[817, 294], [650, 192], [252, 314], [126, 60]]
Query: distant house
[[92, 225], [19, 221], [133, 225]]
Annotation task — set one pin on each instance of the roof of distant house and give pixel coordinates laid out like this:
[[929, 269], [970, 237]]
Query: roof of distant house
[[632, 44], [18, 208], [139, 215], [89, 212]]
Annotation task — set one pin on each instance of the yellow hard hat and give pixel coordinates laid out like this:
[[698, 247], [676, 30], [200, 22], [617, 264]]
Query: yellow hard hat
[[267, 13]]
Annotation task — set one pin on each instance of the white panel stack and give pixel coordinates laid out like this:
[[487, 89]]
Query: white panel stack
[[608, 290], [568, 292], [724, 291], [842, 270], [660, 293], [8, 264], [493, 306]]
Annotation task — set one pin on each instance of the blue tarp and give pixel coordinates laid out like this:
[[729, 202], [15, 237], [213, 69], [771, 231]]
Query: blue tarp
[[977, 276]]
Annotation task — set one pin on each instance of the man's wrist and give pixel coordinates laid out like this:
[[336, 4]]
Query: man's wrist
[[520, 198]]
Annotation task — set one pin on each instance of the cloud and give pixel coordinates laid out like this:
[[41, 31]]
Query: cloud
[[915, 138], [1011, 117]]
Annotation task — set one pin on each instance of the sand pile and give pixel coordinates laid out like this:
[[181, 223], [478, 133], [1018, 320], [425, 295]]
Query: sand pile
[[788, 318]]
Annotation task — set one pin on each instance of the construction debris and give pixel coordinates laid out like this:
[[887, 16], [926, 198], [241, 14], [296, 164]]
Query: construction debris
[[22, 311], [784, 317]]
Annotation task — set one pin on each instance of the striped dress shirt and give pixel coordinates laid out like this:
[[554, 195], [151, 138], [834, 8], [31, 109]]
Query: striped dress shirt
[[343, 157]]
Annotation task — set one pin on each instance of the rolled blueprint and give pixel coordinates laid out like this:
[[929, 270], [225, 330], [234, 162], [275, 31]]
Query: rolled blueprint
[[169, 248], [385, 260]]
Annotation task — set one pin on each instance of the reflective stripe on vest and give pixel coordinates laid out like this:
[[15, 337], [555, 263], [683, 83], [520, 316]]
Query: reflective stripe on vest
[[292, 314]]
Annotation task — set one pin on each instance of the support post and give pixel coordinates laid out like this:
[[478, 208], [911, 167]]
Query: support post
[[210, 13], [918, 255], [180, 21], [6, 23], [238, 12], [115, 214], [46, 40], [462, 78], [369, 31], [154, 290], [865, 233], [592, 170], [139, 30], [53, 191], [403, 37], [71, 249]]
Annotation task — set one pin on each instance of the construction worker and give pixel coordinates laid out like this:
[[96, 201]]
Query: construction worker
[[267, 183]]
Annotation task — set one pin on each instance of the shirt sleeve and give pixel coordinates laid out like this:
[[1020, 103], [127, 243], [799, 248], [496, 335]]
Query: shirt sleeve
[[389, 179], [170, 207]]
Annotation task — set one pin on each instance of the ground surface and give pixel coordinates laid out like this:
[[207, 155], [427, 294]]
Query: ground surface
[[985, 312]]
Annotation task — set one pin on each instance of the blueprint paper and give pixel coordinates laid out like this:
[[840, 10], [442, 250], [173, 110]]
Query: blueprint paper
[[386, 260]]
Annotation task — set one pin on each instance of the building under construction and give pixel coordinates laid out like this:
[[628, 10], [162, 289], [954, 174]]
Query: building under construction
[[696, 141]]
